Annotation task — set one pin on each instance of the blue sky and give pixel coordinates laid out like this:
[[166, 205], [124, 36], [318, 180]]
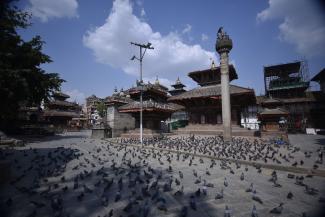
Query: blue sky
[[88, 41]]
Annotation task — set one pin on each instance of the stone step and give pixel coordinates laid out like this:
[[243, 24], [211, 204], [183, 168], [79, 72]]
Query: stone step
[[207, 127], [236, 131]]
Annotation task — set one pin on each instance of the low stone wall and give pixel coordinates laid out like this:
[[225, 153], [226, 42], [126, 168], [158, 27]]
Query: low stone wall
[[101, 133]]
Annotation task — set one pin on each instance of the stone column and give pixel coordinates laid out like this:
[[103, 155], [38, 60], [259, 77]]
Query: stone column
[[223, 47], [225, 96]]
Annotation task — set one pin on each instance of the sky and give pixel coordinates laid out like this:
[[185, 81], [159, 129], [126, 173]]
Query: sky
[[89, 41]]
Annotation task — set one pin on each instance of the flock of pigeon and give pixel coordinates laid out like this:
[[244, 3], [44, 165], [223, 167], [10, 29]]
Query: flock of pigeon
[[127, 181], [242, 148]]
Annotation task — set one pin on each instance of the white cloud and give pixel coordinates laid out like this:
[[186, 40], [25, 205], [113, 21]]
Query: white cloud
[[303, 24], [204, 37], [187, 29], [143, 12], [46, 9], [76, 96], [170, 58]]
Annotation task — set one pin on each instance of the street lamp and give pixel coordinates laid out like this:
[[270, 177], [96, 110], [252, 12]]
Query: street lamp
[[145, 47]]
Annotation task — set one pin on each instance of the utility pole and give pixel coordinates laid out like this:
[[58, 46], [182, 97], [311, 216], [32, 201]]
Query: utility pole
[[145, 47]]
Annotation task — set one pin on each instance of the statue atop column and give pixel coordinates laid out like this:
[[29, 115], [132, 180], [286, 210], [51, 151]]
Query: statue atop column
[[224, 43]]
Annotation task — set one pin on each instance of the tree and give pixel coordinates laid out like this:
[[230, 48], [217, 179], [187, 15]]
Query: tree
[[22, 81], [101, 108]]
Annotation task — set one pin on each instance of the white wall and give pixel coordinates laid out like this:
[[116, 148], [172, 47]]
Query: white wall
[[249, 117]]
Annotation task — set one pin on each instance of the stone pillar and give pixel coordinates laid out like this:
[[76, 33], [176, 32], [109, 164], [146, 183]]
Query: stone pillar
[[223, 47], [225, 96]]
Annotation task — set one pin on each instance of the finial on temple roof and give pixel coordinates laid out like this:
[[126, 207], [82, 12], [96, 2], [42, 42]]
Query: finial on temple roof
[[115, 89], [157, 80], [213, 65], [178, 81]]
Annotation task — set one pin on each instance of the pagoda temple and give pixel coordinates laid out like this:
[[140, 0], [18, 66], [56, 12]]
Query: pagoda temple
[[203, 104], [178, 88], [59, 111], [155, 107]]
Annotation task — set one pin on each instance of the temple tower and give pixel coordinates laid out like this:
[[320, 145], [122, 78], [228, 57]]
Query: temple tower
[[223, 47]]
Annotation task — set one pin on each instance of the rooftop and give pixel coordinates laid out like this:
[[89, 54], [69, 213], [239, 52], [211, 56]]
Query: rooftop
[[320, 76], [212, 75], [59, 113], [276, 111], [60, 95], [149, 105], [282, 69], [210, 91]]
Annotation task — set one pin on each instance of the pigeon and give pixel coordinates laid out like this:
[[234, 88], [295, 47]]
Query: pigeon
[[128, 206], [250, 188], [219, 195], [290, 195], [210, 185], [87, 189], [179, 192], [37, 204], [204, 190], [198, 192], [192, 202], [242, 176], [117, 196], [254, 212], [161, 204], [276, 184], [277, 210], [291, 176], [180, 174], [227, 212], [310, 190], [80, 196], [256, 198], [225, 182], [184, 212]]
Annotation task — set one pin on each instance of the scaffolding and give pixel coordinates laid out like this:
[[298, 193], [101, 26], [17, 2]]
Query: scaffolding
[[286, 80], [289, 81]]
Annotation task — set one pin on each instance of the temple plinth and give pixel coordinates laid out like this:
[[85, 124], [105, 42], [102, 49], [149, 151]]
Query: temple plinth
[[223, 47]]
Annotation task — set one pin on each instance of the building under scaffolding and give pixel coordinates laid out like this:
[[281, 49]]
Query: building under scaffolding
[[286, 87], [286, 80]]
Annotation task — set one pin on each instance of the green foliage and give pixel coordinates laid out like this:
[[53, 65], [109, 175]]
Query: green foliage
[[22, 81], [101, 108]]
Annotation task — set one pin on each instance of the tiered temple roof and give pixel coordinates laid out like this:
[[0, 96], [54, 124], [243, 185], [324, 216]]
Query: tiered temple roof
[[178, 88], [210, 91], [210, 86], [154, 99], [212, 76], [58, 107]]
